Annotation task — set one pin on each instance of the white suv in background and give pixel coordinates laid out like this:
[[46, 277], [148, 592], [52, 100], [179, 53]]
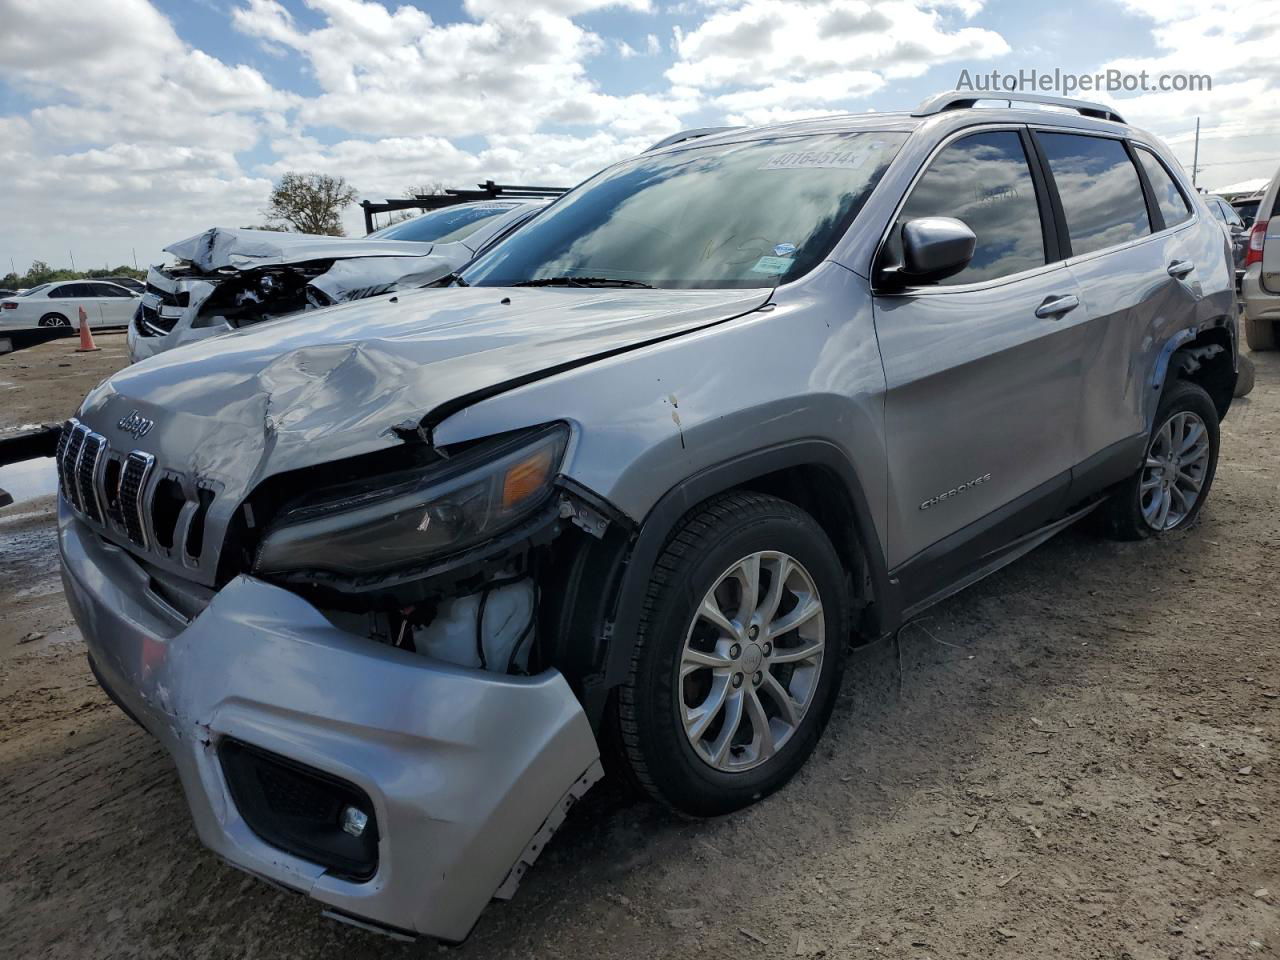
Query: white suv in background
[[58, 305], [1261, 285]]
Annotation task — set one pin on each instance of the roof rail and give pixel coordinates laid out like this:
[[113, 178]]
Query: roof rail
[[487, 191], [684, 135], [962, 100]]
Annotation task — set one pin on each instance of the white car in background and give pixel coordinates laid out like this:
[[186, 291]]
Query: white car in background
[[224, 279], [58, 305]]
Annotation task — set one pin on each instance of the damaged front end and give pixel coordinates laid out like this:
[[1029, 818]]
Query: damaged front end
[[225, 279], [366, 705]]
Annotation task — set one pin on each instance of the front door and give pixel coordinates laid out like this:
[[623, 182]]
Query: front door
[[983, 370]]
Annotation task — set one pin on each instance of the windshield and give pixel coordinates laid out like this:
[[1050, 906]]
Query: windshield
[[737, 215], [27, 293], [443, 226]]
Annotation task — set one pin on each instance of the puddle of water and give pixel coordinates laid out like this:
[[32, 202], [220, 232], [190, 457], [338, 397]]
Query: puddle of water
[[29, 479]]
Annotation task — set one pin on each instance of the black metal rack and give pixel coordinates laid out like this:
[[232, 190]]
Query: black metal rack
[[487, 191]]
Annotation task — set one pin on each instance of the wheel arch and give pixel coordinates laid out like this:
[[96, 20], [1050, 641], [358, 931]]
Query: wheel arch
[[815, 475], [1206, 356]]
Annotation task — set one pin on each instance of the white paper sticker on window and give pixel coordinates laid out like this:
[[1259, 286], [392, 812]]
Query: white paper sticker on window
[[817, 160], [773, 266]]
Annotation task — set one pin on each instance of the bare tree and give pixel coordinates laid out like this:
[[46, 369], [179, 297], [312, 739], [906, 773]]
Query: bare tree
[[412, 193], [311, 202]]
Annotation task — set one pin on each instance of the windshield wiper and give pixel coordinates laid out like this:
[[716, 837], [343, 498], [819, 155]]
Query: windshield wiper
[[451, 278], [582, 282]]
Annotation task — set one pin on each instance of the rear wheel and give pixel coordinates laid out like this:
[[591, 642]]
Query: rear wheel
[[1260, 334], [1169, 490], [54, 320], [738, 656]]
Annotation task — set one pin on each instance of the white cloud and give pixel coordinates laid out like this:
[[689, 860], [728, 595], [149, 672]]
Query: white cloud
[[1224, 39], [758, 44]]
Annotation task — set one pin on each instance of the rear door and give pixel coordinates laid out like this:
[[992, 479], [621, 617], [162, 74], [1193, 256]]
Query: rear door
[[1139, 284], [983, 369], [71, 298]]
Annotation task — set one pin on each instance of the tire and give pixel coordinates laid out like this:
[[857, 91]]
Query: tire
[[54, 320], [1182, 407], [1260, 334], [709, 556], [1245, 377]]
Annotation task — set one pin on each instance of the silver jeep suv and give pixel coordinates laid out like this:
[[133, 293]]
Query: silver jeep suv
[[387, 579]]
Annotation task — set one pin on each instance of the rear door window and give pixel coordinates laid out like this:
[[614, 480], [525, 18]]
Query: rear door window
[[1101, 194], [1173, 205], [983, 180]]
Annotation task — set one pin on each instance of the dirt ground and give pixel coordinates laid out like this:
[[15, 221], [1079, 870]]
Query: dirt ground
[[1076, 758], [45, 384]]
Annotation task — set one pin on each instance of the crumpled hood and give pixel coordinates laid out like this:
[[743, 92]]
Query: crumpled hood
[[221, 247], [333, 383], [369, 276]]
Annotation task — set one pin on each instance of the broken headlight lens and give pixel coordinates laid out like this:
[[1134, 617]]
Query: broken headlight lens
[[469, 498]]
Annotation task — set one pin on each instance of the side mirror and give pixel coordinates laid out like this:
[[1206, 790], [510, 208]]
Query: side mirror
[[934, 248], [1248, 223]]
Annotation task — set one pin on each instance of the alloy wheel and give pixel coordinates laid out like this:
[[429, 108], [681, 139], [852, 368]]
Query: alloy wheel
[[1175, 470], [751, 661]]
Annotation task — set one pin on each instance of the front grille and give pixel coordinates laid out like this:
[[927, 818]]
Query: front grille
[[180, 299], [128, 493], [151, 323]]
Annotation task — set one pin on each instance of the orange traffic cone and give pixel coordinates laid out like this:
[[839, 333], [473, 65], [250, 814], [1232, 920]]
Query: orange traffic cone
[[86, 335]]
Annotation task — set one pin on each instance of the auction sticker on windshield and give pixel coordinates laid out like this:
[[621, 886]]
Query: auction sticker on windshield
[[817, 160]]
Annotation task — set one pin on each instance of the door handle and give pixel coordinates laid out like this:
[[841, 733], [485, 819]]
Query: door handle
[[1180, 268], [1057, 306]]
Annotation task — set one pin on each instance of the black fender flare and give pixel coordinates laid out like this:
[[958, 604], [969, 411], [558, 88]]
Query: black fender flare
[[619, 632]]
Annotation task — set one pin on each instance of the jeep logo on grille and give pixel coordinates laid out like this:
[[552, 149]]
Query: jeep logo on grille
[[135, 424]]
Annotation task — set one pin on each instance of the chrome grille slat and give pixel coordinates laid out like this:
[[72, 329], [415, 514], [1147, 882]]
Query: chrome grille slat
[[133, 486], [71, 463], [86, 476]]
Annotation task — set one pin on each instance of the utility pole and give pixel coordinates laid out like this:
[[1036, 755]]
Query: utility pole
[[1195, 161], [73, 261], [135, 257]]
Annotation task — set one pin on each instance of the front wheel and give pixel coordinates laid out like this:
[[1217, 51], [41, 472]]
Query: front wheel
[[738, 656], [1169, 490]]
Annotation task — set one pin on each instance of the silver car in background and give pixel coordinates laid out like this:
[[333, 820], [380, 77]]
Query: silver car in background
[[1261, 284], [392, 581], [225, 279]]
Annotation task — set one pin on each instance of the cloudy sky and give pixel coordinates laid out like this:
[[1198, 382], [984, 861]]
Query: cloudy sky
[[128, 124]]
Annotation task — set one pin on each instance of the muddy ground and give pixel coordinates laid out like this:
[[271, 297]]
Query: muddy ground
[[1076, 758]]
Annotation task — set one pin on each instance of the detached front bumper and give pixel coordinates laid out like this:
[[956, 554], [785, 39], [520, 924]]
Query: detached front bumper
[[468, 772]]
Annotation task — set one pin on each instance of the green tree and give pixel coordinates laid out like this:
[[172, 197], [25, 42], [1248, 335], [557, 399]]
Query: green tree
[[310, 202]]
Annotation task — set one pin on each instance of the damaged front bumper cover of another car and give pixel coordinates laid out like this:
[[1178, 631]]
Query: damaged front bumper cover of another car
[[401, 792]]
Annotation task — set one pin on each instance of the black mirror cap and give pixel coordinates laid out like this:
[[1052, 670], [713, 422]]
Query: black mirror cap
[[934, 248]]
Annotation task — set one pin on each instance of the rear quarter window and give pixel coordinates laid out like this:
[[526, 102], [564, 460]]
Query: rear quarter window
[[1173, 205], [1101, 194]]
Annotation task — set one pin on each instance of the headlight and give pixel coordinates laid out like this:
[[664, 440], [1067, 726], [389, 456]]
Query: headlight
[[454, 505]]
